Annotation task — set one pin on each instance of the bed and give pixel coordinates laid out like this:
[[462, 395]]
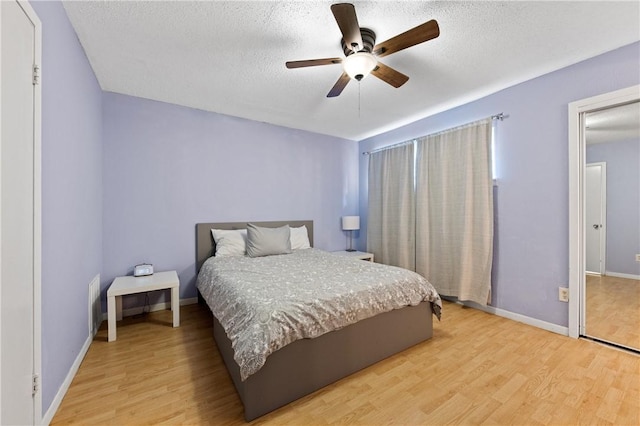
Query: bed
[[308, 364]]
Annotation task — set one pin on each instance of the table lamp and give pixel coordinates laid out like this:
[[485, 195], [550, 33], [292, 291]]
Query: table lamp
[[350, 223]]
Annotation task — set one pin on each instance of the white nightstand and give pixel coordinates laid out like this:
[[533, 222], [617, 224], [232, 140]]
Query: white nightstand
[[130, 285], [355, 254]]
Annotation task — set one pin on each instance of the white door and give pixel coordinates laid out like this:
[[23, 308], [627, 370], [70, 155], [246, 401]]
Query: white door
[[19, 214], [595, 205]]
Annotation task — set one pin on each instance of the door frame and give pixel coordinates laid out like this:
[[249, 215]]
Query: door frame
[[577, 156], [603, 214], [37, 207]]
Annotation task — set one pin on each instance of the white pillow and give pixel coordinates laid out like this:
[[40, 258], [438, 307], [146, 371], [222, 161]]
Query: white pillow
[[230, 242], [300, 238]]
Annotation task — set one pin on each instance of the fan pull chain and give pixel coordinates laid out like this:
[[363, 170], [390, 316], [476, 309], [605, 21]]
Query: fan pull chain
[[359, 84]]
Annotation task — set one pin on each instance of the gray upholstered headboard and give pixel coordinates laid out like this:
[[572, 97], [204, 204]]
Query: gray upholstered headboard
[[205, 247]]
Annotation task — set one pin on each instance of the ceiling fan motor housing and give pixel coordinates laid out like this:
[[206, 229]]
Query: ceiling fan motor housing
[[368, 39]]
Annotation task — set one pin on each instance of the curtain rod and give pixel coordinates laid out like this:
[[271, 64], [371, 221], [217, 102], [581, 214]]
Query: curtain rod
[[500, 116]]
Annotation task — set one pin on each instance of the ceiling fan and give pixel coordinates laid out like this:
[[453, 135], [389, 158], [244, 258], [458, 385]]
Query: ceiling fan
[[361, 52]]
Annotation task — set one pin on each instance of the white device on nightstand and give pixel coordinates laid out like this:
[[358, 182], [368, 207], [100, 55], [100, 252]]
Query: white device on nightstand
[[142, 270]]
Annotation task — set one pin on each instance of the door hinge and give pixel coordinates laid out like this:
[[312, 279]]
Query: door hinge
[[35, 385], [36, 75]]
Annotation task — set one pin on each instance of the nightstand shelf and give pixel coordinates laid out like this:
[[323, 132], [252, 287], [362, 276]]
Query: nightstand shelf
[[355, 254]]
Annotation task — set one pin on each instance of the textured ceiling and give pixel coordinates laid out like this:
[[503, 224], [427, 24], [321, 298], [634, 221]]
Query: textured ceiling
[[228, 57]]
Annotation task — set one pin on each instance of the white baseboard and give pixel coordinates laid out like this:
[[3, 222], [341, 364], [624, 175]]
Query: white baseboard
[[64, 387], [621, 275], [554, 328], [152, 308]]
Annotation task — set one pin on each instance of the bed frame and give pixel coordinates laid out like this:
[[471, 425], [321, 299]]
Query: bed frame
[[307, 365]]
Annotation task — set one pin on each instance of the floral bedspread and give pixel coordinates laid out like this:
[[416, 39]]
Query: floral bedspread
[[265, 303]]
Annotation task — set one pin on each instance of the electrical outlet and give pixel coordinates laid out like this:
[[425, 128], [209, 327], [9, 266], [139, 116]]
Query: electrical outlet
[[637, 257], [563, 294]]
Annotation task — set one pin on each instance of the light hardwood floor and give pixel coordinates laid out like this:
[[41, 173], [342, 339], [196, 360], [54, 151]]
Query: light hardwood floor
[[477, 369], [613, 309]]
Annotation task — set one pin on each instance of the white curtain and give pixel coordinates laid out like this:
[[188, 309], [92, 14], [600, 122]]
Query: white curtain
[[454, 211], [391, 217]]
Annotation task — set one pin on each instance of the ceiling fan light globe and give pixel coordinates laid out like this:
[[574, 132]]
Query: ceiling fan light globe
[[359, 65]]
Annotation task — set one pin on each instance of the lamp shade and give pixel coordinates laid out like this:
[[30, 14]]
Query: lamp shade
[[350, 223], [359, 65]]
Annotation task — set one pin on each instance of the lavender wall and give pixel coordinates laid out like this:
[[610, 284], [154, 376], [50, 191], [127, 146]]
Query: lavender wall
[[167, 168], [71, 194], [531, 250], [623, 203]]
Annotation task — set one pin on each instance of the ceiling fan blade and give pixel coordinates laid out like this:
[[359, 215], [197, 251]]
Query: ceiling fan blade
[[389, 75], [424, 32], [347, 20], [313, 62], [339, 86]]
